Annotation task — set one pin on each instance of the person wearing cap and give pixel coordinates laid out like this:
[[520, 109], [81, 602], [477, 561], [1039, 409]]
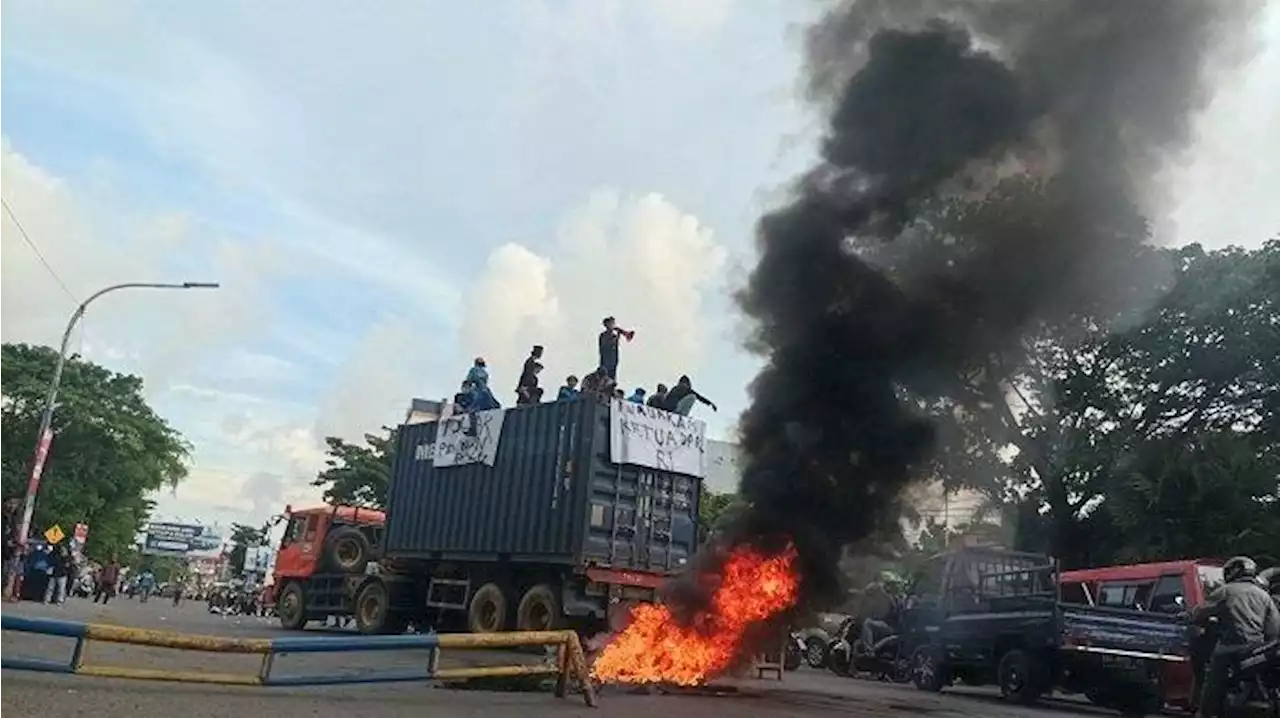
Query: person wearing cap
[[637, 396], [608, 346]]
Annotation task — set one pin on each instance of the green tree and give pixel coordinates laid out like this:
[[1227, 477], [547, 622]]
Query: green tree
[[110, 450], [358, 475], [1174, 416], [242, 539], [712, 506]]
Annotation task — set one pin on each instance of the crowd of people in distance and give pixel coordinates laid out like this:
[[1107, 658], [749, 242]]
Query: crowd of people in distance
[[476, 394]]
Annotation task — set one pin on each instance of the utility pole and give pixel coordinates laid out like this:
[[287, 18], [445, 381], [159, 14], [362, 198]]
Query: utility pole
[[45, 437]]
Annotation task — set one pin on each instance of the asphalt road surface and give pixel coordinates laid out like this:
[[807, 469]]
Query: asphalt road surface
[[805, 692]]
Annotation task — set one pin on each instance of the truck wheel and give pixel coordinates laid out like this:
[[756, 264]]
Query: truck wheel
[[539, 610], [1020, 677], [487, 612], [926, 670], [373, 610], [347, 550], [291, 607]]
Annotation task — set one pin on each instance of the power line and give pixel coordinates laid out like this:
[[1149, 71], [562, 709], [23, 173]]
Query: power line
[[27, 238]]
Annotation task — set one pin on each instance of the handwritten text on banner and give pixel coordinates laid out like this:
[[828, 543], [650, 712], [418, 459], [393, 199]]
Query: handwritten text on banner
[[658, 439]]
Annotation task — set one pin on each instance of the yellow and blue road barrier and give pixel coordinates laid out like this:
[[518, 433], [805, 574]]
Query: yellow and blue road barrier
[[570, 662]]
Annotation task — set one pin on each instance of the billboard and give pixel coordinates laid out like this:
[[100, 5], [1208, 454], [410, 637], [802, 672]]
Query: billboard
[[171, 539]]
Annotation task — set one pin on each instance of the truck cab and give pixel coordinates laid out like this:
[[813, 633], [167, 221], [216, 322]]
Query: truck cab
[[321, 548]]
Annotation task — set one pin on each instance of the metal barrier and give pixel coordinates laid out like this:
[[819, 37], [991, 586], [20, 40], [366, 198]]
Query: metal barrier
[[570, 660]]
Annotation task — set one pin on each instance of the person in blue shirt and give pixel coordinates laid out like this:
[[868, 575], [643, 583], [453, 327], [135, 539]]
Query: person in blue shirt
[[569, 390], [479, 374], [146, 584], [637, 396]]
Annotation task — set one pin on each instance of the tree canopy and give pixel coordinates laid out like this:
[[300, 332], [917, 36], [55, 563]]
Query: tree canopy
[[355, 474], [110, 450], [1139, 422]]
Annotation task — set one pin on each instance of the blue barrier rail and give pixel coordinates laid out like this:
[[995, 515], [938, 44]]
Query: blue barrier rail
[[571, 660]]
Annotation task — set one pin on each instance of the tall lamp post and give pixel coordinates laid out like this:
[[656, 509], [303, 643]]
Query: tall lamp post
[[45, 437]]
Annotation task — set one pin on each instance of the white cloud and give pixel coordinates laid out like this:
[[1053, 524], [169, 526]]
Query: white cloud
[[641, 259], [695, 17]]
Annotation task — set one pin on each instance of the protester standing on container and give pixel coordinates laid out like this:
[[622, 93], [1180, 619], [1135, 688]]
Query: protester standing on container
[[608, 345]]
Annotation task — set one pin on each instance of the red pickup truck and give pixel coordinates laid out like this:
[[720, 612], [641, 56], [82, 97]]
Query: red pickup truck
[[1162, 587]]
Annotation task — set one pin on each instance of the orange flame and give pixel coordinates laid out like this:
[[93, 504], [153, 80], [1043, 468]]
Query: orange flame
[[656, 648]]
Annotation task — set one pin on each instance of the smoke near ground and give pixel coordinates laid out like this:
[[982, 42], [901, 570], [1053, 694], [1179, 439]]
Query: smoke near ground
[[1082, 100]]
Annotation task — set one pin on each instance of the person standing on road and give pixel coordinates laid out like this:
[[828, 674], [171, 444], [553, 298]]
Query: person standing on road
[[146, 584], [1247, 617], [107, 581], [55, 591]]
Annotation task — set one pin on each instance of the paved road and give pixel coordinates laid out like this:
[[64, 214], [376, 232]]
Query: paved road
[[803, 693]]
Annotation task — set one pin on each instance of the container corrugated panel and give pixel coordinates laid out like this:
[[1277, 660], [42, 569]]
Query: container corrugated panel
[[552, 496]]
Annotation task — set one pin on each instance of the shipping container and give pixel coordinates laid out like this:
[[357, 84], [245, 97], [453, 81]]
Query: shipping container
[[552, 496], [507, 519]]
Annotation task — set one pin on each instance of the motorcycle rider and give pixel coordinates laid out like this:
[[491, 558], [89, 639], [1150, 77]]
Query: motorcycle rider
[[1247, 617]]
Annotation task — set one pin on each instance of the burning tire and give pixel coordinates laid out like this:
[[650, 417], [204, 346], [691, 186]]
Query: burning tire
[[487, 612], [291, 607], [539, 610], [347, 550]]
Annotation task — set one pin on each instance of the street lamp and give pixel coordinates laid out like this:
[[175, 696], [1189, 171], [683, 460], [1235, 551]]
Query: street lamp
[[45, 437]]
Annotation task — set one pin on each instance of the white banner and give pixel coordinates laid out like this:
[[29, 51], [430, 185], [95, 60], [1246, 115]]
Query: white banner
[[469, 438], [658, 439]]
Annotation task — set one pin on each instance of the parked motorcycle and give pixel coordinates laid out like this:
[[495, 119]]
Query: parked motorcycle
[[840, 648], [1254, 684]]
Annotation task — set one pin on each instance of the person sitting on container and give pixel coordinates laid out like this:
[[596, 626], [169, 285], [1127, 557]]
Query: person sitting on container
[[569, 390], [637, 396], [462, 400], [658, 399], [528, 392], [479, 374], [682, 396], [596, 382]]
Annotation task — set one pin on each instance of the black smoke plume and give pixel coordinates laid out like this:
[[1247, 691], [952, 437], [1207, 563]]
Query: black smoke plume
[[1087, 99]]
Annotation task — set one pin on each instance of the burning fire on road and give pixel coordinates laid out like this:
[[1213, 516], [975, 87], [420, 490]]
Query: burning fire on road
[[750, 588]]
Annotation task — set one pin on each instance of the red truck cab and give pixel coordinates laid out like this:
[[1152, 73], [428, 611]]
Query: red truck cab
[[1165, 587], [320, 547]]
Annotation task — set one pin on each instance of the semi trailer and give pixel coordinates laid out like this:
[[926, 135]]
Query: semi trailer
[[559, 515]]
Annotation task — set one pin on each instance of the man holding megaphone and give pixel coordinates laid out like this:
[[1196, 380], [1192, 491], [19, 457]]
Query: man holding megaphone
[[609, 346]]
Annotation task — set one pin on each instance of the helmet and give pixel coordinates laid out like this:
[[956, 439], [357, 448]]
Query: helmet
[[1239, 567]]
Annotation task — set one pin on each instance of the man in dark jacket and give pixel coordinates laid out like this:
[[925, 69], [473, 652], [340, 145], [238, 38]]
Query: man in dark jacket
[[1247, 617], [681, 397]]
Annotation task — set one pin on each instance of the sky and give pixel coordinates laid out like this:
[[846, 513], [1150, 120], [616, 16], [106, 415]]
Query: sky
[[386, 195]]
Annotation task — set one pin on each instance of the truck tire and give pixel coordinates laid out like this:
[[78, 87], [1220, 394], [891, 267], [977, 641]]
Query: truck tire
[[539, 610], [487, 612], [373, 611], [347, 550], [291, 607], [927, 671], [1021, 677]]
